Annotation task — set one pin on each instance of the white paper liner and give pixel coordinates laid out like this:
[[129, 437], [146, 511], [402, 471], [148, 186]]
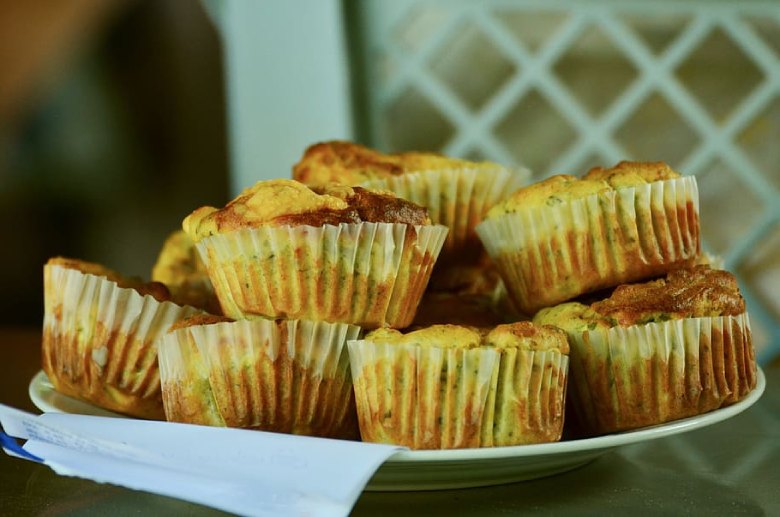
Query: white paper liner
[[530, 397], [550, 254], [448, 398], [368, 274], [423, 397], [629, 377], [290, 376], [98, 340], [456, 198], [712, 260]]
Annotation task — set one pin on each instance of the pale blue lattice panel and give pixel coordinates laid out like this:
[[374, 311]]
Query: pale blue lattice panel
[[560, 86]]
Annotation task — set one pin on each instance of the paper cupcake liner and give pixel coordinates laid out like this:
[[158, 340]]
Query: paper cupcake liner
[[530, 397], [456, 198], [367, 274], [450, 398], [630, 377], [550, 254], [288, 376], [421, 397], [98, 341]]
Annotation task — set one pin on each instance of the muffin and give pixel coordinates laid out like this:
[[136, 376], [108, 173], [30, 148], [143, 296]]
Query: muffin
[[473, 310], [280, 376], [99, 330], [451, 386], [479, 278], [657, 351], [332, 253], [457, 193], [471, 295], [563, 237], [179, 267]]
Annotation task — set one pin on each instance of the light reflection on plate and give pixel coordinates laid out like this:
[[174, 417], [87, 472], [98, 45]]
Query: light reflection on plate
[[462, 468]]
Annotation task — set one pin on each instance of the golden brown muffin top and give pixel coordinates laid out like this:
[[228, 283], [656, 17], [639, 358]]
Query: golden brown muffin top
[[155, 289], [352, 164], [197, 320], [481, 278], [179, 267], [289, 202], [528, 336], [178, 262], [564, 188], [523, 335], [441, 336], [630, 174], [684, 293]]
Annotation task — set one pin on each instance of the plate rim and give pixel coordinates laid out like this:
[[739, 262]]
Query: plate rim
[[585, 444], [40, 381]]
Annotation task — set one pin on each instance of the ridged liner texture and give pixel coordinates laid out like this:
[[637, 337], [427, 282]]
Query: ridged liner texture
[[456, 198], [286, 376], [550, 254], [98, 341], [530, 397], [451, 398], [367, 274], [629, 377]]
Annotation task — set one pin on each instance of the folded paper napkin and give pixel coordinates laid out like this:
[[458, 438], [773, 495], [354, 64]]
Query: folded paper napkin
[[235, 470]]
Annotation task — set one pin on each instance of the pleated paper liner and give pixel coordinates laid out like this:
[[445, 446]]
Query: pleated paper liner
[[280, 376], [550, 254], [367, 274], [530, 397], [630, 377], [98, 341], [456, 198], [450, 398]]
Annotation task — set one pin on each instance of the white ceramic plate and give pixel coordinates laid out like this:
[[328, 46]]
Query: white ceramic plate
[[436, 470], [49, 400]]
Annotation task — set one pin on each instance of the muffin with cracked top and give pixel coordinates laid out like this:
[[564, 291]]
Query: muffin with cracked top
[[281, 376], [453, 386], [657, 351], [99, 333], [563, 237], [456, 192], [329, 253], [179, 267]]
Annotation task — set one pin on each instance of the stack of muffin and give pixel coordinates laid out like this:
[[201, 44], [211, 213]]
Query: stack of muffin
[[304, 306], [677, 345]]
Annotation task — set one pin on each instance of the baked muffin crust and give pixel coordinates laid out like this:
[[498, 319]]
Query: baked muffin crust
[[522, 335], [629, 174], [287, 202], [443, 336], [180, 268], [156, 289], [564, 187], [198, 320], [528, 336], [350, 163], [684, 293]]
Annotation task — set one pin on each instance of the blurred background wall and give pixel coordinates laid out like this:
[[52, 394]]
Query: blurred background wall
[[112, 129]]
